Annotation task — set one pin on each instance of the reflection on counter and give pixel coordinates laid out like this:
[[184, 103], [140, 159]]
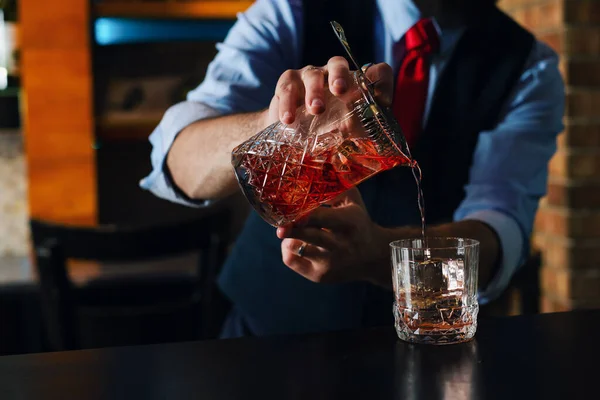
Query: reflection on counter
[[419, 369]]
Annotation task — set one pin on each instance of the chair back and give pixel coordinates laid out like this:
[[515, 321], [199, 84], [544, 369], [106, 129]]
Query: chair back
[[55, 244]]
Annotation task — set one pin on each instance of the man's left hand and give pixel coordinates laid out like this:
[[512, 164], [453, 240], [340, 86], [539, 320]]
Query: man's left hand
[[341, 243]]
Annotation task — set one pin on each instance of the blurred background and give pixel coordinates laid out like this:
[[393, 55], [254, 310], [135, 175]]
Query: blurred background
[[82, 85]]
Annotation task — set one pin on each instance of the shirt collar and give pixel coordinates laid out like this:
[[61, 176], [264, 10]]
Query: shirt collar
[[399, 15]]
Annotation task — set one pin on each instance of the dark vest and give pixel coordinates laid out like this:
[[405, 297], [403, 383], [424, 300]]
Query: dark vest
[[484, 67]]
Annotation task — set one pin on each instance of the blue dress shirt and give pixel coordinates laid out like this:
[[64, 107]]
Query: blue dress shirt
[[509, 171]]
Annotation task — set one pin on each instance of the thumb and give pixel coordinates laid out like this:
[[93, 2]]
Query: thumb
[[349, 197], [338, 218], [383, 75], [340, 215]]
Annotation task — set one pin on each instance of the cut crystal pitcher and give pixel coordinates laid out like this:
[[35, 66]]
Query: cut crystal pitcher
[[285, 171]]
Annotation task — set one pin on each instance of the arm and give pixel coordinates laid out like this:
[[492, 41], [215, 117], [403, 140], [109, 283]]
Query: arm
[[200, 159], [510, 166], [192, 143], [345, 245], [191, 152], [507, 179]]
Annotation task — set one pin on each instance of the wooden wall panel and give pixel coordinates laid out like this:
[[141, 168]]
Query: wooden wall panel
[[58, 121], [58, 111], [64, 25], [60, 190], [209, 9]]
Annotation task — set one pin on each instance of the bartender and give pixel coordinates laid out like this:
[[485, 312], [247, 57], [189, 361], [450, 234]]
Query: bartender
[[481, 99]]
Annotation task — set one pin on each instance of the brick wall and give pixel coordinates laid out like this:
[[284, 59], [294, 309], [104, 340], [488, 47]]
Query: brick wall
[[568, 223]]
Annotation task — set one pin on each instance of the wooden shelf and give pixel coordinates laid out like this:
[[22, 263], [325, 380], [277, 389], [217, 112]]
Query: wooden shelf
[[198, 9]]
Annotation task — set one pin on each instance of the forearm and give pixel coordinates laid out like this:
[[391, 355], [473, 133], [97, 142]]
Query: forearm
[[200, 159], [489, 248]]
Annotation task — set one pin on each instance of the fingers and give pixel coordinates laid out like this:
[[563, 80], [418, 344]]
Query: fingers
[[332, 219], [302, 265], [310, 252], [350, 196], [383, 75], [342, 214], [339, 75], [313, 79], [308, 85], [289, 91], [320, 225], [312, 235]]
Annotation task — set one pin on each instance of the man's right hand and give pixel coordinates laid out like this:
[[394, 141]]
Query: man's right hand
[[308, 85], [200, 158]]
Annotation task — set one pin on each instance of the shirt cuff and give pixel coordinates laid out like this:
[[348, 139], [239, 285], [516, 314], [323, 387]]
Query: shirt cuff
[[174, 121], [512, 245]]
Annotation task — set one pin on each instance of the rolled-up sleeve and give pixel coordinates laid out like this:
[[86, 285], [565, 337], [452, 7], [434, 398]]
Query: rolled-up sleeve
[[510, 165], [175, 119], [260, 46]]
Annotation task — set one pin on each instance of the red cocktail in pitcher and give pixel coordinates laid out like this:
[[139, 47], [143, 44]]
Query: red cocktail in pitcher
[[286, 171]]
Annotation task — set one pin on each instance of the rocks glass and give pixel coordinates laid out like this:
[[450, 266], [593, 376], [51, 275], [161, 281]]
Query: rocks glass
[[435, 286]]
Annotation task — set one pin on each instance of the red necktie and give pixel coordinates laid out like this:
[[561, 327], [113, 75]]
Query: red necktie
[[412, 84]]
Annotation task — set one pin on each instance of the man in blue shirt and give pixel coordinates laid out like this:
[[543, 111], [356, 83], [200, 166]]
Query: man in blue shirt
[[258, 77]]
